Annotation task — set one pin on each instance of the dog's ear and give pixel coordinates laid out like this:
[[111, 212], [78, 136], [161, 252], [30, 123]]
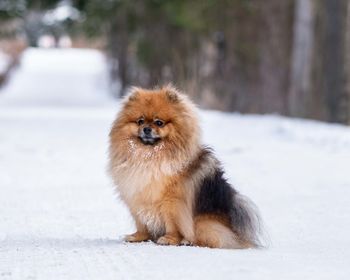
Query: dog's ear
[[172, 94], [132, 94]]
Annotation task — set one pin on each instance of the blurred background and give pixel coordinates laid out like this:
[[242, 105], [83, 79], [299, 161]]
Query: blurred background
[[287, 57], [64, 65]]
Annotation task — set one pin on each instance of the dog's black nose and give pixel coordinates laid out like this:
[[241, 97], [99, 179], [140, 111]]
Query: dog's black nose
[[147, 130]]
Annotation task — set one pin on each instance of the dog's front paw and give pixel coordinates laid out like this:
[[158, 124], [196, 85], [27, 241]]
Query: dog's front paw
[[169, 240], [137, 237], [185, 242]]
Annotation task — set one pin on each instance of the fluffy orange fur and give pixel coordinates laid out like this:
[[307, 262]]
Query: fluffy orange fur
[[159, 182]]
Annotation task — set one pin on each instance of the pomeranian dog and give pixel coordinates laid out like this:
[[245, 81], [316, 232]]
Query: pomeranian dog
[[173, 186]]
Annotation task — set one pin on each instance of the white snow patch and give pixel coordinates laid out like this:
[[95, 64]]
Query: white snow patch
[[56, 77], [5, 61]]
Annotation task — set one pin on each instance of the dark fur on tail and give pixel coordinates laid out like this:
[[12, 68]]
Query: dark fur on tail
[[217, 197], [245, 220]]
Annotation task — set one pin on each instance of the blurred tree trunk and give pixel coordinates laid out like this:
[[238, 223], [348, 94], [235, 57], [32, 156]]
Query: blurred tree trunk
[[300, 76], [276, 39], [330, 65], [118, 51], [347, 62]]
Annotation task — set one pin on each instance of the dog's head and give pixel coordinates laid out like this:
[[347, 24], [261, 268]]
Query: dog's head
[[154, 117]]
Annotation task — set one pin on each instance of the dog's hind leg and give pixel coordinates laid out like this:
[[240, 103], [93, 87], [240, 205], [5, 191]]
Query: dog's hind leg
[[213, 233], [178, 223]]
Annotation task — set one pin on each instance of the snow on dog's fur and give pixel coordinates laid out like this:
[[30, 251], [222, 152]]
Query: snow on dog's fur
[[174, 187]]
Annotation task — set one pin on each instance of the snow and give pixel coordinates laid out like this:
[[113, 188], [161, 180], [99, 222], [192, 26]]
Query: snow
[[64, 11], [52, 77], [5, 61], [60, 218]]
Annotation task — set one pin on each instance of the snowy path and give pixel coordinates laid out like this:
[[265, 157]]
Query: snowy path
[[50, 77], [59, 218]]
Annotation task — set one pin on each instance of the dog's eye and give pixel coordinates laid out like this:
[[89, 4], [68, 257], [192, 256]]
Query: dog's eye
[[159, 123], [140, 121]]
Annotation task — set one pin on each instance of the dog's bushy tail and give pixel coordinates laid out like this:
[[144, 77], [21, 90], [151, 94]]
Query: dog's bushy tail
[[246, 221]]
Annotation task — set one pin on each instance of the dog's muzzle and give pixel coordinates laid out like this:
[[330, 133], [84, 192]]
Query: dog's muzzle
[[148, 137]]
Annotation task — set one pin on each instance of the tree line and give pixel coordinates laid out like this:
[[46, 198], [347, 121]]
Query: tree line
[[289, 57]]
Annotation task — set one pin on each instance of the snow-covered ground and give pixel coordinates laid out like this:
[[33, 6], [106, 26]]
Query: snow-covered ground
[[52, 77], [5, 61], [59, 218]]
